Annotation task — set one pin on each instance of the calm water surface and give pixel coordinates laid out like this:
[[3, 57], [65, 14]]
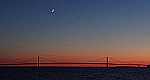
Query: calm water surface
[[74, 74]]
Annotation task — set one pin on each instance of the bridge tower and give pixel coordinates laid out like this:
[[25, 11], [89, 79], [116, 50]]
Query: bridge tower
[[38, 62], [107, 59]]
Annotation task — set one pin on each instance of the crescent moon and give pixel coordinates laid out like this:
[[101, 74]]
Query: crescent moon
[[52, 10]]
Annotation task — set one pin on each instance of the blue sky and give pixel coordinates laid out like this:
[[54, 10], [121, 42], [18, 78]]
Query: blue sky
[[95, 27]]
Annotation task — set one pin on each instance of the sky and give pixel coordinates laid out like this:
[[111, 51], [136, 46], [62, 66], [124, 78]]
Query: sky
[[81, 30]]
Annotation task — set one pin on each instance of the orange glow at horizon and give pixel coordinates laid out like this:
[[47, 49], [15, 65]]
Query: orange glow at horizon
[[79, 57]]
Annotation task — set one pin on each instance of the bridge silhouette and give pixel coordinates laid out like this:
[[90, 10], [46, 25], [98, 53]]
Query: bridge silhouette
[[107, 63]]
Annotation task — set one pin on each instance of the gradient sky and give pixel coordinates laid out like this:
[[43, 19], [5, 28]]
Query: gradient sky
[[81, 30]]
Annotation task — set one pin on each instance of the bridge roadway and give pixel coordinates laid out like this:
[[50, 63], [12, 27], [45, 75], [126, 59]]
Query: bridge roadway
[[72, 63]]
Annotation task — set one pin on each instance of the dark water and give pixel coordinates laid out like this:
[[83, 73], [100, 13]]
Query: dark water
[[74, 74]]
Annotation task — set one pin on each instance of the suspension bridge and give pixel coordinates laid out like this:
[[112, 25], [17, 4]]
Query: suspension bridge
[[39, 62]]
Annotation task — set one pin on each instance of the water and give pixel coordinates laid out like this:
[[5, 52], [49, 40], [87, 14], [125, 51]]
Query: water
[[74, 74]]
